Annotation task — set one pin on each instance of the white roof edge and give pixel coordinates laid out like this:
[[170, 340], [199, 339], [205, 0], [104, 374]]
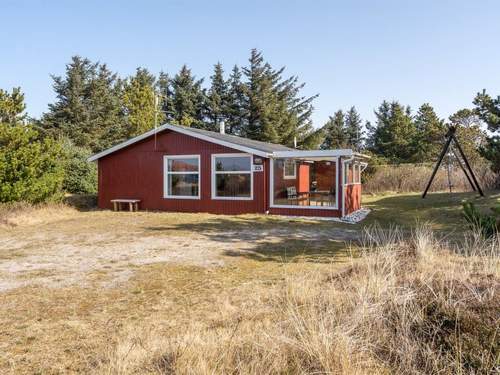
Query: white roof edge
[[313, 153], [360, 155], [183, 131]]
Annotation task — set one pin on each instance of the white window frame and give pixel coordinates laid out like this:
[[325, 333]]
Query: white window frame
[[356, 181], [166, 172], [214, 174], [337, 183], [353, 166], [290, 177]]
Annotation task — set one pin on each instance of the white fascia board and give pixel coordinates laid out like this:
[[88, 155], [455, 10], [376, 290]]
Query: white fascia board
[[363, 156], [182, 131], [312, 153]]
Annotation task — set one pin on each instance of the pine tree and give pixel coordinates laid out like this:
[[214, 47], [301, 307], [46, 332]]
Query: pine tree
[[12, 106], [259, 93], [189, 99], [298, 111], [354, 129], [393, 134], [469, 133], [139, 103], [335, 132], [430, 132], [106, 122], [488, 110], [166, 97], [235, 104], [217, 98], [88, 106], [275, 110]]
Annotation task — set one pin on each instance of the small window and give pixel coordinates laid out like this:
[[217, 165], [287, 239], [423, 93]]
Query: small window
[[232, 177], [357, 174], [290, 169], [347, 174], [182, 176]]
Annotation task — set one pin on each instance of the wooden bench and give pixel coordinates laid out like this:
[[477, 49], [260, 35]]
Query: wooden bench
[[133, 204]]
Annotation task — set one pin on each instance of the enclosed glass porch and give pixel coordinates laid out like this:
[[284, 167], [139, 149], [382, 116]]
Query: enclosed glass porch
[[305, 182]]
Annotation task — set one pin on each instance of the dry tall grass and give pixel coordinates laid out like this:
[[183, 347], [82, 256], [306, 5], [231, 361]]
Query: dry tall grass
[[404, 178], [23, 213], [20, 213], [405, 304]]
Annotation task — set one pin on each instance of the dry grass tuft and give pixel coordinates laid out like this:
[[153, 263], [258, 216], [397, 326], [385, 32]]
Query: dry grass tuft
[[405, 304], [19, 214]]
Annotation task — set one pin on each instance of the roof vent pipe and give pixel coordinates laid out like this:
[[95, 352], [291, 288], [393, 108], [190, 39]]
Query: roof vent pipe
[[294, 142], [222, 127]]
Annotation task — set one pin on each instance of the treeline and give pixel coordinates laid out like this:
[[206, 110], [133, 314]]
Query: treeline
[[95, 108], [401, 136]]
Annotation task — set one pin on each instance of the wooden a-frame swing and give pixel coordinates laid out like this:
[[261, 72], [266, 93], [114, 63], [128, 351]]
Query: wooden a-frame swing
[[450, 137]]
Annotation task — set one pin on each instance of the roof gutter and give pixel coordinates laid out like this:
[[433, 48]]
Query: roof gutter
[[312, 153]]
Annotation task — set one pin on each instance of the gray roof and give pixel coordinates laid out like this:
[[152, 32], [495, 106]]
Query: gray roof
[[239, 143], [250, 143]]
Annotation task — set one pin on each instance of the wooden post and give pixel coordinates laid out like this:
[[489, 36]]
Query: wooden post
[[467, 165], [443, 153]]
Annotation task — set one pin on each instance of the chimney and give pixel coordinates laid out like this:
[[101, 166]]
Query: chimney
[[222, 127], [294, 142]]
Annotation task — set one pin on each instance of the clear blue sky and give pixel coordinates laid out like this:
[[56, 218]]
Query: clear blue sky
[[350, 52]]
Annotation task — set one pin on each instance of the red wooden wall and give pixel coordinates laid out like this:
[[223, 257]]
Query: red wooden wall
[[137, 172], [352, 198]]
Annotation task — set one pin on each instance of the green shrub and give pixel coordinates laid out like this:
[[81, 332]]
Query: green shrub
[[487, 225], [80, 176], [31, 168]]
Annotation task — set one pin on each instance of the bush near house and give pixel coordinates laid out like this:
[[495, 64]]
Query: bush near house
[[80, 176], [486, 224], [31, 168]]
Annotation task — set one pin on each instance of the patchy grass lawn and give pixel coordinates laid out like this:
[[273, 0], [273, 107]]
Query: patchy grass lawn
[[71, 282], [442, 210]]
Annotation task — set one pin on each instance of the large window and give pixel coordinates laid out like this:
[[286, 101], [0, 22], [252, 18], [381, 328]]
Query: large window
[[232, 176], [182, 176], [314, 185]]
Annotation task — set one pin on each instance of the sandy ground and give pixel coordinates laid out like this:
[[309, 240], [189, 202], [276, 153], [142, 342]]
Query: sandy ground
[[78, 249]]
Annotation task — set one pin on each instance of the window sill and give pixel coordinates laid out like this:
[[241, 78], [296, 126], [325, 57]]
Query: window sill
[[181, 197], [232, 198]]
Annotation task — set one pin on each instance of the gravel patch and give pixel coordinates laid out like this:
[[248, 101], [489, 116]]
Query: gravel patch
[[49, 257]]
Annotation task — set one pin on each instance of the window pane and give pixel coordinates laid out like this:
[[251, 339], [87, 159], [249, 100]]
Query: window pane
[[183, 165], [289, 168], [233, 163], [183, 185], [233, 185]]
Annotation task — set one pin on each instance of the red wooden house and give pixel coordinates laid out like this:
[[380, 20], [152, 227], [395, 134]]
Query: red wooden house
[[176, 168]]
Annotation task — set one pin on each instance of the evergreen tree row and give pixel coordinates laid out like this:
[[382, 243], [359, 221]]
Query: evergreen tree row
[[400, 136], [95, 108]]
